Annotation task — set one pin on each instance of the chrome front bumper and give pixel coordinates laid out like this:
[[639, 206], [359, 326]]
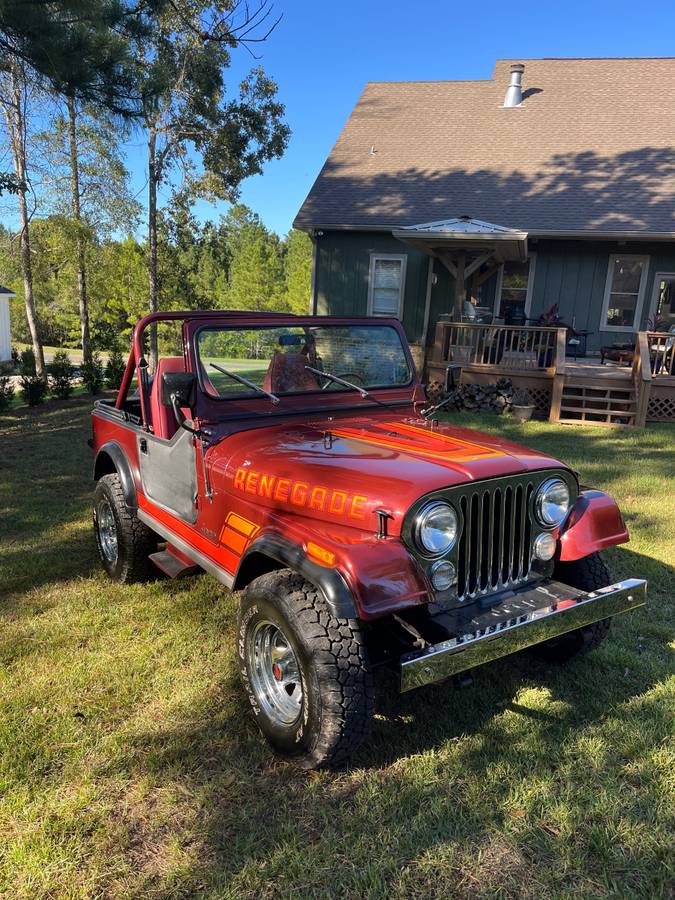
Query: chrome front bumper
[[524, 619]]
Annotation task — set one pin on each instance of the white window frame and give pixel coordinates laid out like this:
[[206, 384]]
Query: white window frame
[[374, 257], [640, 296], [532, 257], [658, 276]]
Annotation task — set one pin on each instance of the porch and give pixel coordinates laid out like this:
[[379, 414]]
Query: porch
[[562, 389]]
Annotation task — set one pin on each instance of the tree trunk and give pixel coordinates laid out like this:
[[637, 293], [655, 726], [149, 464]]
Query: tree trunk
[[152, 239], [13, 109], [77, 215]]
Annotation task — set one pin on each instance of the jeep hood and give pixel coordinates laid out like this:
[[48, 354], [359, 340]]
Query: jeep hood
[[342, 470]]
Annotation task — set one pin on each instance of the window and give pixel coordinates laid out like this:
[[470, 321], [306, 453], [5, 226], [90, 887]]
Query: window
[[386, 284], [623, 293], [514, 291]]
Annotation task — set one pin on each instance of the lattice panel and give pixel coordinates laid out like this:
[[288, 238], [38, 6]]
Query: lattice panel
[[541, 397], [661, 409]]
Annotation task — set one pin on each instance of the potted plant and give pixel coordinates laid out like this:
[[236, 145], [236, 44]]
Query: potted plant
[[522, 406]]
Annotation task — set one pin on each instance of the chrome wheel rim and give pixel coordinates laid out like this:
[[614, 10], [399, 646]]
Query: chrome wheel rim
[[107, 531], [274, 674]]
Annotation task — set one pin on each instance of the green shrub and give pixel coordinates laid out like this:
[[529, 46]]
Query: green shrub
[[61, 374], [114, 370], [27, 362], [92, 374], [6, 392], [33, 389]]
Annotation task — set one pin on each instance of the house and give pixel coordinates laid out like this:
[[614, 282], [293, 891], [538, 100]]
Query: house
[[552, 184], [5, 332]]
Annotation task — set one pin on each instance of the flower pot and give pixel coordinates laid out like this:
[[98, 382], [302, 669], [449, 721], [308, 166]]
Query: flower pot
[[522, 413]]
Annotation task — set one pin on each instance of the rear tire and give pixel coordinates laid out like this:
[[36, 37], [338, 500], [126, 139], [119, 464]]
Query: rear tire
[[305, 671], [124, 542], [587, 574]]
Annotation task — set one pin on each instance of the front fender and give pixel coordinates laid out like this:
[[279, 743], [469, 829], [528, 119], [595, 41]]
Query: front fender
[[594, 523], [360, 575]]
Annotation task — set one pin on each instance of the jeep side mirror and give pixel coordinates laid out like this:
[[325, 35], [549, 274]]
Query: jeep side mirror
[[179, 390]]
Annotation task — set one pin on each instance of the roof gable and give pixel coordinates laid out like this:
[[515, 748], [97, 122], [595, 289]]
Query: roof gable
[[591, 149]]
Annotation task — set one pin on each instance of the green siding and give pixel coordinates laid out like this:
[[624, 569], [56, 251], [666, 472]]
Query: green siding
[[343, 263], [573, 274], [570, 273]]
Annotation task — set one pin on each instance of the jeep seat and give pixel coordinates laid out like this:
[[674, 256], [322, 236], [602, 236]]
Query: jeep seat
[[164, 422], [287, 372]]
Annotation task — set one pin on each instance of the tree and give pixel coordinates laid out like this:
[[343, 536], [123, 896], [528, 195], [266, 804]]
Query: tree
[[87, 185], [255, 271], [297, 271], [191, 121], [8, 183], [15, 91], [79, 47]]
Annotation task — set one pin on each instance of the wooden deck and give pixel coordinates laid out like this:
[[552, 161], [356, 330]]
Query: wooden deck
[[581, 391]]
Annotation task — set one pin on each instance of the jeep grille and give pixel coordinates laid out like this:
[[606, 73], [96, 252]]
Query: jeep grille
[[496, 542], [494, 550]]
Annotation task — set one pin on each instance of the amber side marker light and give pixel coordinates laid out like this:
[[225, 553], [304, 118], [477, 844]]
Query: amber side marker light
[[320, 555]]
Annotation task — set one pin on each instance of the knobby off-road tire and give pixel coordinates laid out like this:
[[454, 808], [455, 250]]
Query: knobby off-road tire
[[316, 707], [587, 574], [125, 553]]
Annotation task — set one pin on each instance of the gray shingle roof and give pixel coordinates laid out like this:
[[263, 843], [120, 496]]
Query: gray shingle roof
[[592, 148]]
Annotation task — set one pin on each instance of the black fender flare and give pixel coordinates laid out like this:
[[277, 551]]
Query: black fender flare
[[329, 581], [121, 465]]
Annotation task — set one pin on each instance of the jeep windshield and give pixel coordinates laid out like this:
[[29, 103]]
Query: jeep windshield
[[290, 359]]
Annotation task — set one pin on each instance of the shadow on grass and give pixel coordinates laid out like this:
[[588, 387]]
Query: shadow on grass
[[520, 718]]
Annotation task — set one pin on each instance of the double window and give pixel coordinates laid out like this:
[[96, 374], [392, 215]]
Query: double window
[[386, 284], [624, 292]]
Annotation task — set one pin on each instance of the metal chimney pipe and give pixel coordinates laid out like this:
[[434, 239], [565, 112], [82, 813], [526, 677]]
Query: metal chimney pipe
[[514, 92]]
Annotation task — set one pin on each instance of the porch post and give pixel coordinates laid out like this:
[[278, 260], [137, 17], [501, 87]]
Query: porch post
[[460, 286]]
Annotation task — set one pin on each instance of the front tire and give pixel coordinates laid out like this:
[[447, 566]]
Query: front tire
[[124, 542], [305, 671], [587, 574]]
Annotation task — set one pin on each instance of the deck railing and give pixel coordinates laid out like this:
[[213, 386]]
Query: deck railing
[[508, 347], [661, 351]]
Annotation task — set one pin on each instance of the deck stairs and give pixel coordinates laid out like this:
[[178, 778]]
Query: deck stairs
[[595, 398]]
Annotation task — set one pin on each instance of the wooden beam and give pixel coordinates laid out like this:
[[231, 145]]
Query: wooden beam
[[477, 263], [447, 262], [460, 286], [485, 276]]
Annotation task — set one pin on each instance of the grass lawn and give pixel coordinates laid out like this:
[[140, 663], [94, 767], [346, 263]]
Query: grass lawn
[[130, 766]]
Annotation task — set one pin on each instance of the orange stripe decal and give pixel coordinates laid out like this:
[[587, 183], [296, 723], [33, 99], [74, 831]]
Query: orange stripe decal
[[420, 442], [237, 533]]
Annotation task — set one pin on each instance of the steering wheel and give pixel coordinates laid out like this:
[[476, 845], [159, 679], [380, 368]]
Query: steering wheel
[[348, 376]]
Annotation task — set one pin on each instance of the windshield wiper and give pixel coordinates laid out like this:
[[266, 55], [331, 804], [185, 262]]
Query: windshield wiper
[[240, 378], [354, 387]]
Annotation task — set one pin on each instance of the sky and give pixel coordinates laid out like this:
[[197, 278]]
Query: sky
[[322, 54]]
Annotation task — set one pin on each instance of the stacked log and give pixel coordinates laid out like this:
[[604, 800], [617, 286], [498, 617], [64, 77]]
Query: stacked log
[[496, 397]]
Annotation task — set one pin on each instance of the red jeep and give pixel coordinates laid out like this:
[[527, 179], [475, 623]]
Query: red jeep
[[295, 458]]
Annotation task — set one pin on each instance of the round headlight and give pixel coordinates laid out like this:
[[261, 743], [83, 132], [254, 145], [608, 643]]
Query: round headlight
[[443, 575], [552, 502], [436, 528]]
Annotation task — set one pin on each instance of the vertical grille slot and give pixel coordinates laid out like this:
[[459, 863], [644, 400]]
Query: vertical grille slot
[[495, 545]]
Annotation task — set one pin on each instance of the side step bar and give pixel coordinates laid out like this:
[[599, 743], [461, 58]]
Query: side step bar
[[532, 617]]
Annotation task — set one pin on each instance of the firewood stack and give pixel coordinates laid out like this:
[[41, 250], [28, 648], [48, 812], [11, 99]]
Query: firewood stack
[[496, 397]]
